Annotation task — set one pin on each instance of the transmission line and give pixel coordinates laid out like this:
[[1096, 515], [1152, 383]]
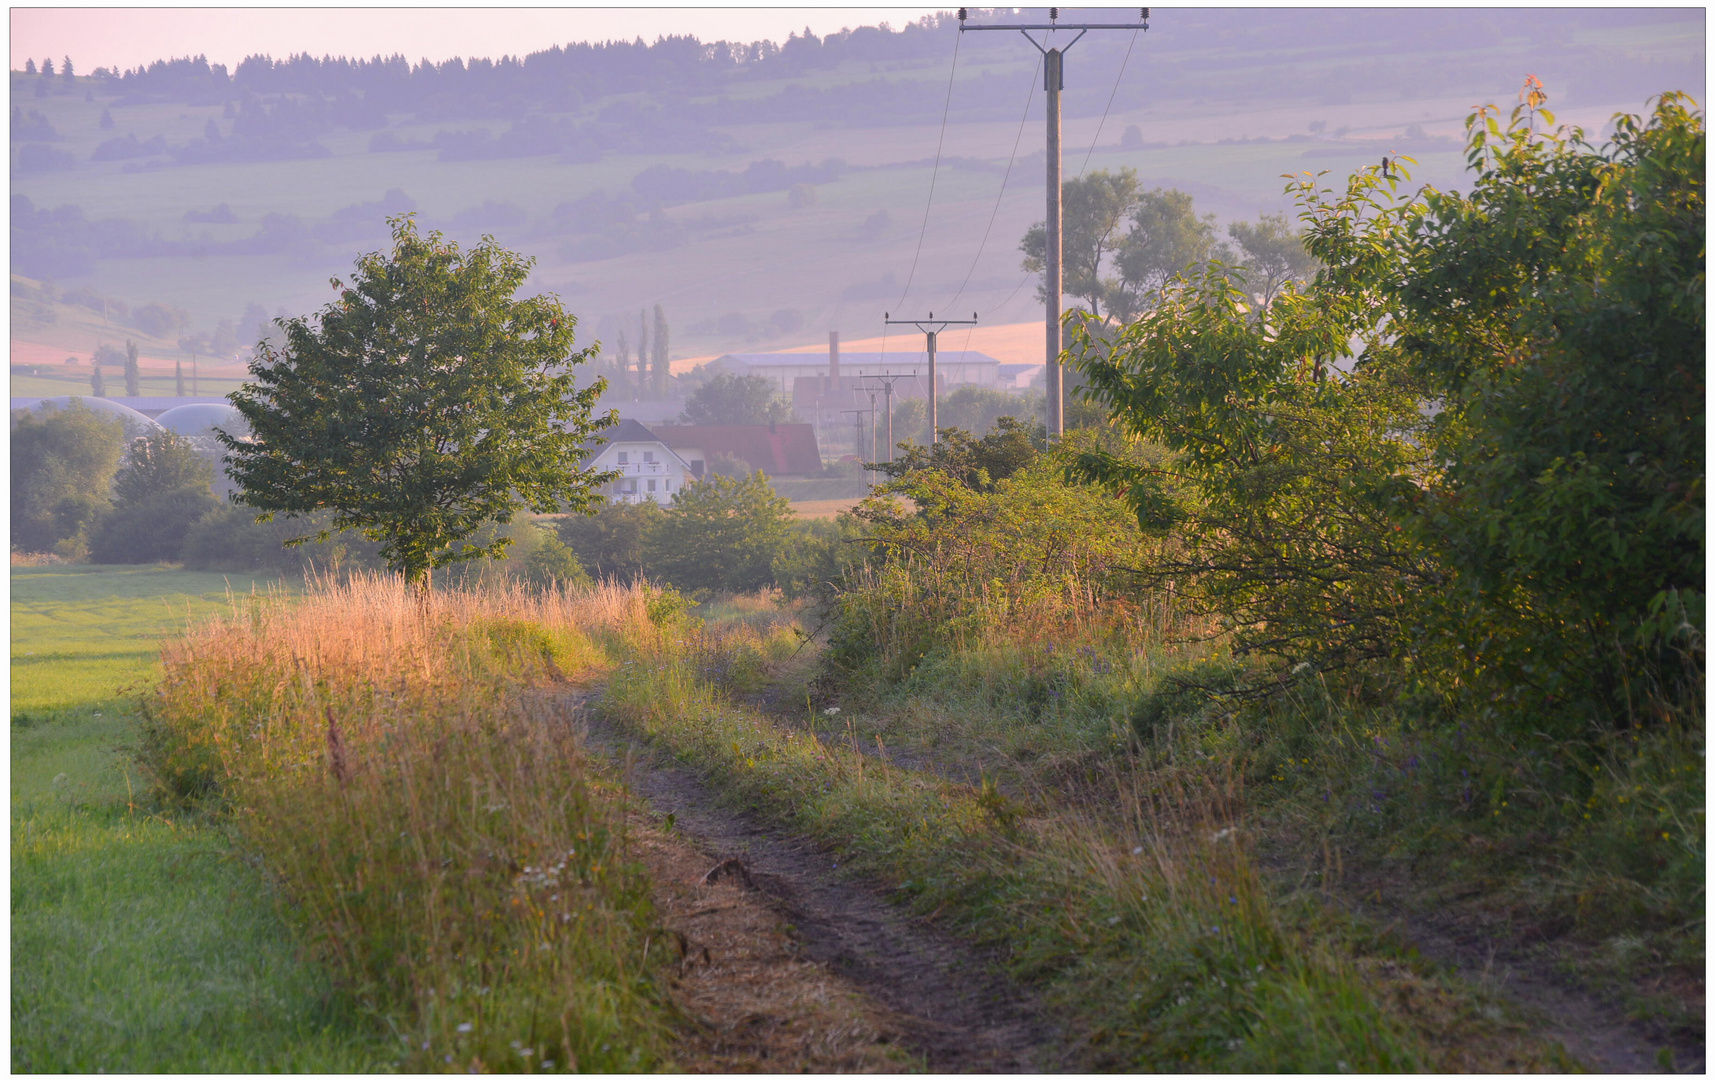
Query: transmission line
[[933, 175], [1110, 104], [1029, 97]]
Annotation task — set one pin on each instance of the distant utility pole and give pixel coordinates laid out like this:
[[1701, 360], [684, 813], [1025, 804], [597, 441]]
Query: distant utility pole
[[857, 416], [930, 327], [884, 382], [1053, 69]]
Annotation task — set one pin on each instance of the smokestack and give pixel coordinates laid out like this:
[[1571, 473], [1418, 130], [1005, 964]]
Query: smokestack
[[833, 359]]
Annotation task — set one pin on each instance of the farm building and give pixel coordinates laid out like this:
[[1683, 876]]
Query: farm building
[[782, 451]]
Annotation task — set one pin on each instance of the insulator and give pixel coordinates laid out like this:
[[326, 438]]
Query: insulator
[[1145, 15], [1053, 14], [961, 14]]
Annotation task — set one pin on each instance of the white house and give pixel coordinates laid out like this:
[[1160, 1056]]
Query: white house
[[648, 468]]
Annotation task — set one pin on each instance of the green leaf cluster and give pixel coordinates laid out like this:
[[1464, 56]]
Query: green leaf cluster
[[1471, 447]]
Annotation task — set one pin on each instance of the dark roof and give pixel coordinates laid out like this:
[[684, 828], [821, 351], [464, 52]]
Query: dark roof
[[624, 431], [776, 449]]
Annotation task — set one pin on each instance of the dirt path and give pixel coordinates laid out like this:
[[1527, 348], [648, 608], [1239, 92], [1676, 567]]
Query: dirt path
[[937, 995], [1594, 1031]]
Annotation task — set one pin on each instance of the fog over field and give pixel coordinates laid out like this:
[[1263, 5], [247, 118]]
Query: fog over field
[[761, 194]]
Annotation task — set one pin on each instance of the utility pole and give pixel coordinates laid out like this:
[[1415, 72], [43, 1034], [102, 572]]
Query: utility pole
[[930, 327], [1053, 71], [884, 382]]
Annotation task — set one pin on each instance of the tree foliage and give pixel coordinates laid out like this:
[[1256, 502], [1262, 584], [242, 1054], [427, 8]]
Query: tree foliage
[[423, 403], [736, 399], [63, 461], [1471, 446], [979, 464], [719, 534]]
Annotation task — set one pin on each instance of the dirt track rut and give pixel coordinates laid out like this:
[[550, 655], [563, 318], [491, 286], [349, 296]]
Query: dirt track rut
[[951, 1004]]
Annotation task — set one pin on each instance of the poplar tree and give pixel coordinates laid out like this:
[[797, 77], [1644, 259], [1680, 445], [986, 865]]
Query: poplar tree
[[658, 356], [133, 379]]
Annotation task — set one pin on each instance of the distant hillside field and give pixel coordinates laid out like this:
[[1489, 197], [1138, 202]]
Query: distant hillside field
[[761, 195]]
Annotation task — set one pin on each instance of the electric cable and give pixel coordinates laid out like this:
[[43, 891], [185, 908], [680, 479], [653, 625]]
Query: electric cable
[[1029, 99], [933, 175], [1110, 104]]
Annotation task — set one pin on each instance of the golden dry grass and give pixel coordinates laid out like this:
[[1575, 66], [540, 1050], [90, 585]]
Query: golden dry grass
[[453, 854]]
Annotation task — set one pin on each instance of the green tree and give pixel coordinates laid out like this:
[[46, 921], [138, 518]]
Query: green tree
[[736, 399], [106, 121], [1166, 238], [979, 464], [721, 534], [159, 494], [1533, 543], [1093, 210], [1274, 254], [133, 374], [1557, 314], [611, 542], [97, 382], [179, 378], [63, 461], [423, 403]]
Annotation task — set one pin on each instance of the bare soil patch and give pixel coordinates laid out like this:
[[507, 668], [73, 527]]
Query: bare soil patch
[[795, 916]]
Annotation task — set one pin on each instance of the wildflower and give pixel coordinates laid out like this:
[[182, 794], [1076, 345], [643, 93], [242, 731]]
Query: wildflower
[[1137, 850], [464, 1028], [832, 710]]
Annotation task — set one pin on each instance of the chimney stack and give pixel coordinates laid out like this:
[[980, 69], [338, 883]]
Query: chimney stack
[[834, 360]]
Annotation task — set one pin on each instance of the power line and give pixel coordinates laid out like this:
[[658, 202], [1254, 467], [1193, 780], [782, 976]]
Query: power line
[[1029, 97], [1110, 104], [932, 176]]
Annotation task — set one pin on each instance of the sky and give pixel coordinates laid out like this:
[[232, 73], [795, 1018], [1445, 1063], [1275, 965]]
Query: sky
[[125, 37]]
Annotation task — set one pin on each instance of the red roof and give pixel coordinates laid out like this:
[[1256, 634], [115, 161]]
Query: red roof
[[776, 449]]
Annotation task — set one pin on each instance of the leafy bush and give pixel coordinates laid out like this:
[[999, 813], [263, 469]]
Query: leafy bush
[[230, 538], [610, 543], [63, 461], [162, 491], [1531, 547], [719, 534], [736, 399]]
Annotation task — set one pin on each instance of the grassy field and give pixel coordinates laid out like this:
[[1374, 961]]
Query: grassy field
[[139, 943]]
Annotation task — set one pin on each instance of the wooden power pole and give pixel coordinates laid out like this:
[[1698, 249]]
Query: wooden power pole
[[931, 328], [1053, 68]]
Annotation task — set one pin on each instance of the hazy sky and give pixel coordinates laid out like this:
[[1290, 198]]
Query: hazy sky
[[126, 37]]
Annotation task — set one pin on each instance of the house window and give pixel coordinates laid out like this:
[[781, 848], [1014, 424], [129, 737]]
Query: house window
[[648, 455], [631, 486], [651, 485], [667, 485], [624, 458]]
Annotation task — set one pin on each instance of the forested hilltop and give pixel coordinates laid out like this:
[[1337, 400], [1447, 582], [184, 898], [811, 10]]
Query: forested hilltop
[[213, 193]]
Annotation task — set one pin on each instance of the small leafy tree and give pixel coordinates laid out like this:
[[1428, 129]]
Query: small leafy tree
[[736, 399], [1094, 209], [1274, 254], [160, 494], [133, 374], [423, 403], [611, 542], [720, 534], [63, 463]]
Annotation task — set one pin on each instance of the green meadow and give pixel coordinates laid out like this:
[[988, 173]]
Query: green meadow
[[140, 942]]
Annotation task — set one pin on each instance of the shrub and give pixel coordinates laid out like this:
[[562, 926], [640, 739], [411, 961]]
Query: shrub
[[720, 534], [63, 461], [610, 543], [162, 491]]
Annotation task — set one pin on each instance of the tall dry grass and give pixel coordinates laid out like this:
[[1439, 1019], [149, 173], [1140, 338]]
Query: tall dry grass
[[403, 765]]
